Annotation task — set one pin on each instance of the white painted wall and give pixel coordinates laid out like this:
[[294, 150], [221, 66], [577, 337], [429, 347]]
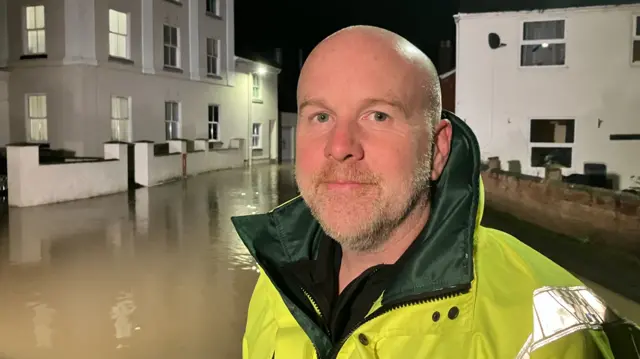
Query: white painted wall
[[32, 184], [498, 98], [206, 160]]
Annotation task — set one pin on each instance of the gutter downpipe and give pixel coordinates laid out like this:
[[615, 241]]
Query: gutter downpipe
[[249, 122]]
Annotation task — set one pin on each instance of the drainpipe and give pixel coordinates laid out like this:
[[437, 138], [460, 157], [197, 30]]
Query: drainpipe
[[249, 121]]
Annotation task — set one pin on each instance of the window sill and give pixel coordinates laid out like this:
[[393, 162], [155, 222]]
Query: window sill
[[215, 77], [172, 69], [33, 56], [174, 2], [256, 148], [121, 60], [213, 15], [257, 100]]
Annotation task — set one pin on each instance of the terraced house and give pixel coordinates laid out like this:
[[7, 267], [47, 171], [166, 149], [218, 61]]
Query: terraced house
[[548, 81], [78, 73]]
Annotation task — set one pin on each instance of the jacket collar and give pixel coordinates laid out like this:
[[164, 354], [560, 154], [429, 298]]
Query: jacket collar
[[439, 259]]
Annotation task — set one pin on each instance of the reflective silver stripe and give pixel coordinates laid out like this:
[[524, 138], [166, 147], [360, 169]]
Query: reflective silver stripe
[[561, 311]]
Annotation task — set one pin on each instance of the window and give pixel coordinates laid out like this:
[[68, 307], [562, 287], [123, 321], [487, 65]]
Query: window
[[172, 120], [552, 142], [35, 30], [213, 122], [212, 7], [256, 86], [636, 40], [212, 56], [120, 112], [543, 43], [118, 34], [171, 46], [37, 118], [256, 138]]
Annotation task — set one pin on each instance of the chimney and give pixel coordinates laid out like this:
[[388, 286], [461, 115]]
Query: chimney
[[278, 56], [445, 57]]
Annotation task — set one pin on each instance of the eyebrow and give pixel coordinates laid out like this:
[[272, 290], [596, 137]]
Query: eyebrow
[[367, 102]]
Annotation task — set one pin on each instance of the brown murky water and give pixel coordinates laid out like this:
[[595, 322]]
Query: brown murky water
[[158, 274]]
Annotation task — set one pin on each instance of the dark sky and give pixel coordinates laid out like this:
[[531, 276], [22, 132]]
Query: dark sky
[[263, 25]]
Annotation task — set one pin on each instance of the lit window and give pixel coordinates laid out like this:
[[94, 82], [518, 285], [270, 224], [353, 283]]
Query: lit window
[[37, 117], [213, 122], [543, 43], [256, 138], [212, 56], [35, 30], [172, 120], [256, 86], [120, 122], [118, 34]]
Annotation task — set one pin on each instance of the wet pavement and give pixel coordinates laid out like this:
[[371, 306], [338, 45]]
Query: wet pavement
[[156, 273]]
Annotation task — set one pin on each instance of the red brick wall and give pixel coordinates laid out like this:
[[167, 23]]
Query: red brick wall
[[592, 214], [448, 87]]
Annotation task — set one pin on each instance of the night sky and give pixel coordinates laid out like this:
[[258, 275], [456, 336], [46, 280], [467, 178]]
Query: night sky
[[262, 26]]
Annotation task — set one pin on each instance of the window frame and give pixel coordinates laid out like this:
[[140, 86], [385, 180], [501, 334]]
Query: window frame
[[258, 146], [213, 121], [176, 47], [126, 119], [172, 120], [256, 76], [571, 145], [126, 35], [26, 30], [216, 8], [635, 19], [29, 118], [523, 42], [215, 57]]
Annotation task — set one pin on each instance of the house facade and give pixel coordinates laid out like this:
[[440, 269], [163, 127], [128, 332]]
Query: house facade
[[82, 72], [559, 85]]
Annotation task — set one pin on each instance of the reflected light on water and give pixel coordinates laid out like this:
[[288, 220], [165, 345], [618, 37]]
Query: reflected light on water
[[158, 273]]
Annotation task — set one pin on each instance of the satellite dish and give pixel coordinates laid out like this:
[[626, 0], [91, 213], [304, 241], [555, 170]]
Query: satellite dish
[[494, 41]]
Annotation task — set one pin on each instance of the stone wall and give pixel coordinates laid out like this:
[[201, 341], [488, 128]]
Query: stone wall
[[587, 213]]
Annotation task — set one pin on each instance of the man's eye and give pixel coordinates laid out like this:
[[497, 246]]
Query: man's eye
[[380, 116], [322, 117]]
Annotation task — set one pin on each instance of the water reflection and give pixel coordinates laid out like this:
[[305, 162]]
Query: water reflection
[[157, 273]]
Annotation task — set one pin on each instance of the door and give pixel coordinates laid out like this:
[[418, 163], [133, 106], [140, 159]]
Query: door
[[287, 144]]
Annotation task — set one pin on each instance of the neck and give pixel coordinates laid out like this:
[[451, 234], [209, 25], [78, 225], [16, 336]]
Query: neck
[[355, 263]]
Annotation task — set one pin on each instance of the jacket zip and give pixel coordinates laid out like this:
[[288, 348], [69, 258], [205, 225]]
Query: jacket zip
[[433, 297]]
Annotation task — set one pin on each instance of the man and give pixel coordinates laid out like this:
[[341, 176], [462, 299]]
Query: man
[[383, 255]]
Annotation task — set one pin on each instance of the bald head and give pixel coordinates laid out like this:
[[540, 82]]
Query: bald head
[[376, 50]]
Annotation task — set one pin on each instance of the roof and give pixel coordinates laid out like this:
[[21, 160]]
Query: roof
[[483, 6], [250, 62]]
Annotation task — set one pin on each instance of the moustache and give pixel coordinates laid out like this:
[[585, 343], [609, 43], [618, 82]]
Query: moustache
[[353, 174]]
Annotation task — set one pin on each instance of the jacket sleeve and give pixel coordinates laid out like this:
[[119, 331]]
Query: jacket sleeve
[[583, 344]]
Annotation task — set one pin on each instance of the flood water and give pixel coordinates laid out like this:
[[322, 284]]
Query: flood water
[[159, 273]]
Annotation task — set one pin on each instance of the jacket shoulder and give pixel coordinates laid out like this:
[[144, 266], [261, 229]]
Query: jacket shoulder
[[503, 257]]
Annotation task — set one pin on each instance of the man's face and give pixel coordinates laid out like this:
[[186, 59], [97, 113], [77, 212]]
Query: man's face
[[363, 148]]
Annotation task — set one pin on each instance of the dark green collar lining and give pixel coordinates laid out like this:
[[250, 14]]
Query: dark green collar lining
[[440, 258]]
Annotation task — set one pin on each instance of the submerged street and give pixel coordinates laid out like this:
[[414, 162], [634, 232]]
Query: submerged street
[[160, 273]]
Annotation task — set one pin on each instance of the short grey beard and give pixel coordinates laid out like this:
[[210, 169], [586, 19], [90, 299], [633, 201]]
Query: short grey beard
[[374, 235], [372, 238]]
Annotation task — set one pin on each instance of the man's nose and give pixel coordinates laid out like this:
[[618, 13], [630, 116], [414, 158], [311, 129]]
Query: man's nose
[[343, 143]]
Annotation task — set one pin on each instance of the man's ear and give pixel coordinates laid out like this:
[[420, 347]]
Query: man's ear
[[441, 147]]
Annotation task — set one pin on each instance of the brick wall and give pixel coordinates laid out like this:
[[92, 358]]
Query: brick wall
[[591, 214]]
